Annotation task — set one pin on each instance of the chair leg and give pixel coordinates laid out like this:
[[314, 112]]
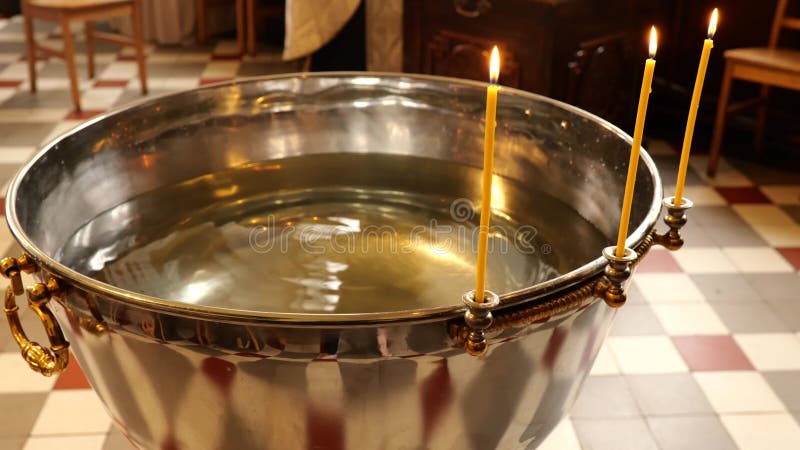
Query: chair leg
[[69, 58], [251, 27], [240, 25], [30, 45], [90, 48], [719, 123], [761, 119], [138, 39], [202, 30]]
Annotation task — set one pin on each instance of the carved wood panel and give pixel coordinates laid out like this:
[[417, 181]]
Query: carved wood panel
[[458, 55]]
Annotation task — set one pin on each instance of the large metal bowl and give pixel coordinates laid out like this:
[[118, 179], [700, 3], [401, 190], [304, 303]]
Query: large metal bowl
[[178, 372]]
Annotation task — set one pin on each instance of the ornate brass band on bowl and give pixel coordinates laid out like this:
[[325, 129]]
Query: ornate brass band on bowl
[[610, 287], [202, 369]]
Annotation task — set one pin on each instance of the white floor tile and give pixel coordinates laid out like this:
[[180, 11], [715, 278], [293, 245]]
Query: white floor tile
[[667, 288], [757, 259], [72, 411], [771, 351], [119, 70], [763, 431], [6, 93], [31, 115], [772, 223], [689, 319], [563, 437], [180, 83], [221, 69], [738, 392], [61, 128], [82, 442], [17, 376], [16, 155], [605, 364], [704, 260], [780, 235], [782, 195], [100, 98], [18, 70], [163, 57], [646, 354], [701, 195], [770, 215], [227, 48], [727, 175]]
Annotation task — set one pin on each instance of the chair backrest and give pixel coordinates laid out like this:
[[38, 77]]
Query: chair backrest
[[781, 21]]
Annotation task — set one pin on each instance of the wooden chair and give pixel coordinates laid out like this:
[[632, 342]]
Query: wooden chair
[[257, 11], [202, 7], [768, 66], [65, 12]]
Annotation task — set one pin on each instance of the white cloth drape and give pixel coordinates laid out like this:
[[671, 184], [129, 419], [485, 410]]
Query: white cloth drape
[[310, 24]]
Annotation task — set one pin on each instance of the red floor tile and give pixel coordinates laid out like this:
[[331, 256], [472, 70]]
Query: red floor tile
[[747, 194], [707, 353], [659, 261], [83, 115], [207, 81], [10, 83], [111, 83], [792, 255], [73, 377]]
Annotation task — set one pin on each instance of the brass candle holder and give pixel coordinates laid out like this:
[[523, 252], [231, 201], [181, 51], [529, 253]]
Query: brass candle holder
[[610, 287]]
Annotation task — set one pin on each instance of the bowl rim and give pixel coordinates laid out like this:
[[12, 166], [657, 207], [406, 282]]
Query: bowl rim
[[178, 308]]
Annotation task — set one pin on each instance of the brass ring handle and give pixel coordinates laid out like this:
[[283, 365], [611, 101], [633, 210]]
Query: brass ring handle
[[46, 361], [480, 7]]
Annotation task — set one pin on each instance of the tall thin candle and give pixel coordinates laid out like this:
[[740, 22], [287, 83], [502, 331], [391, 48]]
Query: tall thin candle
[[488, 169], [638, 131], [698, 90]]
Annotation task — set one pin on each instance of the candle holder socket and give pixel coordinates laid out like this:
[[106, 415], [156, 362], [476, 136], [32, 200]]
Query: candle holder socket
[[675, 220], [617, 272], [478, 318]]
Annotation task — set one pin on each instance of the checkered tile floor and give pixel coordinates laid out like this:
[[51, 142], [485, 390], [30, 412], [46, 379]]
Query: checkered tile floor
[[706, 355]]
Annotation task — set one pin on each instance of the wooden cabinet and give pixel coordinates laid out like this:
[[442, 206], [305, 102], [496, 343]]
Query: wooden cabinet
[[580, 51]]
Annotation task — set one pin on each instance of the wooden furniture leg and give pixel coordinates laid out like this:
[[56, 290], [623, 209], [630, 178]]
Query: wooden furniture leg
[[202, 30], [719, 124], [30, 45], [90, 48], [240, 25], [136, 21], [69, 58], [251, 27]]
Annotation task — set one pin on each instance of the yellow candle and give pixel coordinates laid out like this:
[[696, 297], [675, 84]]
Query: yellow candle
[[488, 168], [638, 130], [698, 90]]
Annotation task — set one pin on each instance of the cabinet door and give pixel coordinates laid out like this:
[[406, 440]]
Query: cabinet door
[[454, 38], [600, 78], [457, 55]]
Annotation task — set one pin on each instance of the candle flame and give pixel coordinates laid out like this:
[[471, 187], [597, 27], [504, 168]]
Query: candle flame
[[494, 66], [653, 42], [712, 25]]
